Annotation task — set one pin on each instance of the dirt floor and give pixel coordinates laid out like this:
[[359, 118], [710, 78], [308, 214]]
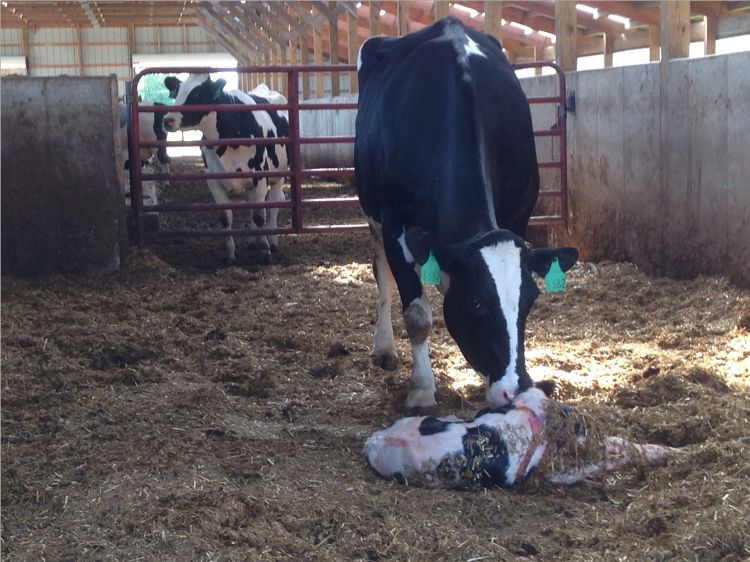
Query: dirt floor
[[186, 410]]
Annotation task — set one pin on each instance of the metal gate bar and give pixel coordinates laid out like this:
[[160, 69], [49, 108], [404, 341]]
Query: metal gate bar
[[296, 173]]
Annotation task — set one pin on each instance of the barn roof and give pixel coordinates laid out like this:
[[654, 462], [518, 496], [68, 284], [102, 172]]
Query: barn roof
[[261, 25]]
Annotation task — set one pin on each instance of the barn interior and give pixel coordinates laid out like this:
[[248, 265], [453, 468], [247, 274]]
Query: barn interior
[[159, 403]]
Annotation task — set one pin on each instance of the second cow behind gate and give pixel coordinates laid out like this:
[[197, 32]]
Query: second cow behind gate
[[446, 166], [199, 89]]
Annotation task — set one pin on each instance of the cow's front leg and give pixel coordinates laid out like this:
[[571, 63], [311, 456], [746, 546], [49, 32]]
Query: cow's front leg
[[418, 321], [258, 195], [275, 194], [220, 196]]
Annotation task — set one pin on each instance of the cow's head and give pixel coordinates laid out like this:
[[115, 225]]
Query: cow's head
[[489, 296], [197, 89]]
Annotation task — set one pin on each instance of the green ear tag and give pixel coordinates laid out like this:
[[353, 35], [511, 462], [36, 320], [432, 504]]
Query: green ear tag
[[217, 94], [554, 281], [430, 274]]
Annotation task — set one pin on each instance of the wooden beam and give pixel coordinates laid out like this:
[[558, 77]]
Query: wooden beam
[[654, 43], [608, 45], [402, 17], [710, 27], [565, 30], [493, 11], [675, 29], [218, 31], [374, 18], [353, 49], [441, 9]]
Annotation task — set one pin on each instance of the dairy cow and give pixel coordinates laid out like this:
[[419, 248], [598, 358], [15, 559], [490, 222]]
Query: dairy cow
[[200, 89], [499, 447], [150, 128], [446, 167]]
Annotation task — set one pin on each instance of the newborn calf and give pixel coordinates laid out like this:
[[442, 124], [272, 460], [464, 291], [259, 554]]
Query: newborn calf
[[499, 447]]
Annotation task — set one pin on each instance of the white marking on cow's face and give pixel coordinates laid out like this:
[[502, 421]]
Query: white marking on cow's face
[[504, 263], [173, 120], [472, 48]]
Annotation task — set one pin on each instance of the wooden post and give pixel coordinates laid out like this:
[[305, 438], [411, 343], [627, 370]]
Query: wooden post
[[25, 48], [158, 38], [609, 49], [333, 44], [565, 30], [183, 37], [710, 27], [675, 29], [79, 50], [493, 11], [318, 54], [374, 18], [442, 9], [352, 47], [131, 49], [304, 49], [654, 42], [402, 17], [538, 55], [284, 60]]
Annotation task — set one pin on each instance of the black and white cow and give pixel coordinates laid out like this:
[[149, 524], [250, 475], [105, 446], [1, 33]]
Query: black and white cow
[[499, 447], [150, 128], [199, 89], [446, 164]]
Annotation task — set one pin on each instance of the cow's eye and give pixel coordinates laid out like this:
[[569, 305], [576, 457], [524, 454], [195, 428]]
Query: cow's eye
[[475, 304]]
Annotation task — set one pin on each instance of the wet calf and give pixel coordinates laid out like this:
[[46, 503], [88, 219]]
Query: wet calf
[[499, 447]]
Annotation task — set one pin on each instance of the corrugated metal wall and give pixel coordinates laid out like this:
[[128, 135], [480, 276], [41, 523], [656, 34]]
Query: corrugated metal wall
[[54, 51]]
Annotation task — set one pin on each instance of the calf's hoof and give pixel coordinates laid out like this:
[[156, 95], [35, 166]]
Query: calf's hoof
[[421, 411], [387, 361]]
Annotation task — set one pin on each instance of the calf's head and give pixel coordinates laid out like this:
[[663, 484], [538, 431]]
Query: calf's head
[[489, 296], [197, 89]]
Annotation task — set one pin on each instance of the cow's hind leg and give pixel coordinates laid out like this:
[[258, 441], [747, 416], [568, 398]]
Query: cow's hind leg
[[220, 196], [275, 194], [383, 346]]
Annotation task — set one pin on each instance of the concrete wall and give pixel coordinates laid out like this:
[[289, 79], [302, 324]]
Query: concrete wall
[[659, 166], [62, 194]]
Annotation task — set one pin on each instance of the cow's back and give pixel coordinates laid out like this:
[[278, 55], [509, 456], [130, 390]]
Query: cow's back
[[441, 110]]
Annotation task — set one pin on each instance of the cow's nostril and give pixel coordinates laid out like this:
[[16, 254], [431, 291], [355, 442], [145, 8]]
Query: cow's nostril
[[508, 397]]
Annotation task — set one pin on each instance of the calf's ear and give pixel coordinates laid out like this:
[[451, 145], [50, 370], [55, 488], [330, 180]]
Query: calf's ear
[[173, 84], [547, 386], [420, 243], [540, 259]]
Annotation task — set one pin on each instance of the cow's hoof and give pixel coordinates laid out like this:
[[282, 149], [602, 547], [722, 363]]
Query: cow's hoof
[[421, 400], [386, 361], [421, 411]]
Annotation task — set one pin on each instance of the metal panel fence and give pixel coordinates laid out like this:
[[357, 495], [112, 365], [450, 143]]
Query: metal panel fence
[[297, 203]]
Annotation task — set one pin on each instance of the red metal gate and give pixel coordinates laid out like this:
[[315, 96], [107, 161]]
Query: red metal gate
[[296, 173]]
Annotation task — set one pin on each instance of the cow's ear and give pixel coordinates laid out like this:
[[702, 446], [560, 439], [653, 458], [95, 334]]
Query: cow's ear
[[219, 87], [420, 243], [173, 85], [540, 259]]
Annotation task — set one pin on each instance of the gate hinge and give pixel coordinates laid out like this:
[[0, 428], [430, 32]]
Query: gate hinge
[[570, 106]]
